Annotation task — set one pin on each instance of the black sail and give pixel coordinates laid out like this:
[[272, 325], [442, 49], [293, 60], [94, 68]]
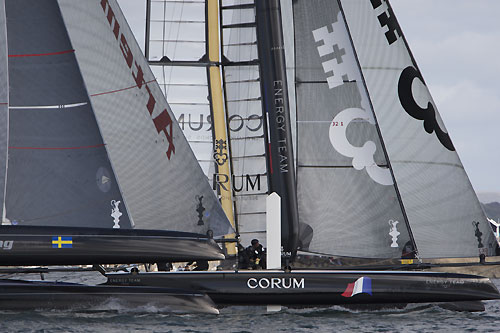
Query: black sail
[[59, 173]]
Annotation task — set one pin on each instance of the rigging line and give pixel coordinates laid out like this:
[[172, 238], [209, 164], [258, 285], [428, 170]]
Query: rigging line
[[163, 29], [180, 1], [179, 21], [118, 90], [179, 41]]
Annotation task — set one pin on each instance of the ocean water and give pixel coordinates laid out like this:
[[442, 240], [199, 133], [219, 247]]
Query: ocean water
[[113, 317]]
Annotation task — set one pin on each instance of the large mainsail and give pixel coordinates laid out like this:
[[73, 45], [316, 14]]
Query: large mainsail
[[158, 174], [92, 141], [348, 200]]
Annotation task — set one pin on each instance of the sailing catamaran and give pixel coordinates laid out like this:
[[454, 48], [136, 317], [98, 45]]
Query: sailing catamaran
[[79, 170], [92, 142], [341, 139]]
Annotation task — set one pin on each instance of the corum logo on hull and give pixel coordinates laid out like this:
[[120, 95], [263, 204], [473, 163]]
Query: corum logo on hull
[[276, 283], [6, 245]]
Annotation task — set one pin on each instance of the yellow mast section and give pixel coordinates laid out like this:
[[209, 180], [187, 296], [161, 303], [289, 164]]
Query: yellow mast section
[[221, 154]]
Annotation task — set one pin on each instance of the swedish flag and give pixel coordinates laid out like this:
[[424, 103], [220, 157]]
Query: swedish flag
[[62, 242]]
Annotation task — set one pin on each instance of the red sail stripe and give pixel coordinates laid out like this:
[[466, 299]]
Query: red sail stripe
[[40, 54], [118, 90], [348, 291], [58, 148]]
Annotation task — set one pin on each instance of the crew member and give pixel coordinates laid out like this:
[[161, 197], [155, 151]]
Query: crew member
[[199, 265], [256, 255]]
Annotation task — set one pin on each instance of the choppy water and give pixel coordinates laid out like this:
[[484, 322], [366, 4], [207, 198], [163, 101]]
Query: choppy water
[[115, 318]]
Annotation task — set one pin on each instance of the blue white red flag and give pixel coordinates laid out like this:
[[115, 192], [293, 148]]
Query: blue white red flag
[[361, 285]]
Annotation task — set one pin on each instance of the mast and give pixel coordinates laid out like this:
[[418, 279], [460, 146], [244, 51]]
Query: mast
[[276, 108], [221, 151]]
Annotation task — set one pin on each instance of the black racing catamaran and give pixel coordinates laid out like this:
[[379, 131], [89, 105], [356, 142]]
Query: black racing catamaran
[[89, 151], [91, 142], [324, 100]]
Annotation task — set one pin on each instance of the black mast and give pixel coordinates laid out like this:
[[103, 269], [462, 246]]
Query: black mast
[[277, 110]]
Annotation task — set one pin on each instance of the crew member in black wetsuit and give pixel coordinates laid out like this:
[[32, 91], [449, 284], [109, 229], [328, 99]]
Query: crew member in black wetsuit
[[200, 265], [256, 255]]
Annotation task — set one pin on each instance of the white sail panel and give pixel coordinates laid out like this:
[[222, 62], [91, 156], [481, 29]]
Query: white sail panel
[[160, 178], [442, 208]]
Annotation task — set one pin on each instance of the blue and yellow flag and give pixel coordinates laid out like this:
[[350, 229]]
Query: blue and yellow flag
[[62, 242]]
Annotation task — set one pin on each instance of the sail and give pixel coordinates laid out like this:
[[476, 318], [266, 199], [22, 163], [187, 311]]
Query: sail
[[59, 173], [161, 181], [247, 128], [4, 103], [175, 47], [348, 201], [443, 211]]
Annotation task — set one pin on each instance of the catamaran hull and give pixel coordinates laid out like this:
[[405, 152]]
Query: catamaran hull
[[320, 287], [33, 246], [29, 295]]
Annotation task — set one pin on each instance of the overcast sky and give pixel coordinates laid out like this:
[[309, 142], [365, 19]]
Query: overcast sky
[[456, 44]]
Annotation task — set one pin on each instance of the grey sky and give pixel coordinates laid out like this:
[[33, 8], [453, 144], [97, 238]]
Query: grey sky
[[456, 44]]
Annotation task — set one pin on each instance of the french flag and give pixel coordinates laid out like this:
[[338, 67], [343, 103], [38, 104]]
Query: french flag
[[361, 285]]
